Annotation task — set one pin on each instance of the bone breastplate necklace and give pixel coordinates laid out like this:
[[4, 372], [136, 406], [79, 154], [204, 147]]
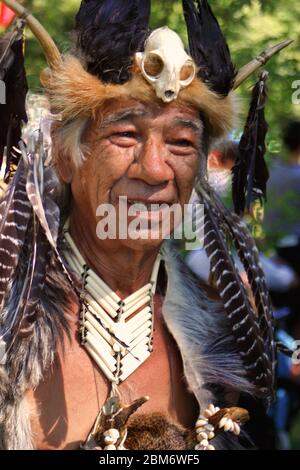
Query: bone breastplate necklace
[[117, 333]]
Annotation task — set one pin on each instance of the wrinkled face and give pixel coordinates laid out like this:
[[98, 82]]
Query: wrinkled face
[[144, 152]]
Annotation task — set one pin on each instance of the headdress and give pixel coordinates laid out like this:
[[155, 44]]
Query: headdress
[[116, 55]]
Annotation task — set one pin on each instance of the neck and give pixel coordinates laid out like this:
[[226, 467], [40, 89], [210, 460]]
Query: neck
[[125, 270]]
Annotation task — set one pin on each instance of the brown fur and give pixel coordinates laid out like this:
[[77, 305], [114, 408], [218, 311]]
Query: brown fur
[[156, 432], [73, 93]]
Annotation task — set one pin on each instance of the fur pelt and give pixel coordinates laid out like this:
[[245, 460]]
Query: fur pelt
[[198, 324], [75, 93]]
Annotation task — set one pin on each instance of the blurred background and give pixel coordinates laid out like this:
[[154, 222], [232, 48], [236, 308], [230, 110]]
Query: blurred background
[[249, 26]]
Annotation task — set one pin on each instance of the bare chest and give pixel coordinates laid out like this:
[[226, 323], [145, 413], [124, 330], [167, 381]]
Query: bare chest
[[65, 406]]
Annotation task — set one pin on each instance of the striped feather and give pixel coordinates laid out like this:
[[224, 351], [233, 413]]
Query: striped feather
[[252, 325], [15, 214]]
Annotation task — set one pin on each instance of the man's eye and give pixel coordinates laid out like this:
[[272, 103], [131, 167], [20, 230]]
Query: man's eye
[[129, 135], [182, 143]]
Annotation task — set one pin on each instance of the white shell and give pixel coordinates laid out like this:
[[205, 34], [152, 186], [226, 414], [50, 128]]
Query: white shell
[[112, 433], [201, 422], [166, 45], [109, 440]]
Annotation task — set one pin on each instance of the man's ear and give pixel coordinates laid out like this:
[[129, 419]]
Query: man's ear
[[63, 162]]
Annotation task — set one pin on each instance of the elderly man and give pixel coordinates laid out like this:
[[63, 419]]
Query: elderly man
[[109, 342]]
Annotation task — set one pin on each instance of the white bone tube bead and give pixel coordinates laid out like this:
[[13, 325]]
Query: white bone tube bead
[[75, 249], [140, 338], [98, 310], [134, 364], [154, 276], [108, 360], [142, 344], [101, 302], [96, 291], [139, 293], [142, 314], [132, 326], [140, 330], [100, 363], [128, 307], [91, 319], [94, 332], [91, 273], [118, 329], [138, 305], [74, 264], [136, 354], [104, 286]]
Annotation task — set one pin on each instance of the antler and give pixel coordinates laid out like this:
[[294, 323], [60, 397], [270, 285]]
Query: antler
[[50, 49], [259, 61]]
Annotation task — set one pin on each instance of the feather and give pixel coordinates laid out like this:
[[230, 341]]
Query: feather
[[15, 214], [40, 187], [208, 46], [37, 240], [250, 174], [13, 112], [252, 325], [109, 33]]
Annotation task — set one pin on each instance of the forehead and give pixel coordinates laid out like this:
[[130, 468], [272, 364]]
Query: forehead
[[116, 110]]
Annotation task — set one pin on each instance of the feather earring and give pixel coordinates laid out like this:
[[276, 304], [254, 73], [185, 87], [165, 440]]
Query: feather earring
[[109, 33], [208, 46], [250, 174]]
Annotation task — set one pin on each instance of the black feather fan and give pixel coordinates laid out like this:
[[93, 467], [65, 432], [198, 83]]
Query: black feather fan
[[250, 174], [109, 32], [208, 46], [12, 113]]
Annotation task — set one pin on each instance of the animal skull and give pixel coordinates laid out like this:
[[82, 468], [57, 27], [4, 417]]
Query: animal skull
[[165, 64]]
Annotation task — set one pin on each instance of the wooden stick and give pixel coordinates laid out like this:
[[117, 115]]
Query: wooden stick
[[259, 61], [49, 47]]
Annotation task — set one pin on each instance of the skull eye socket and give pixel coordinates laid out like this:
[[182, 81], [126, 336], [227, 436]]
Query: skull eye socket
[[153, 65], [187, 72]]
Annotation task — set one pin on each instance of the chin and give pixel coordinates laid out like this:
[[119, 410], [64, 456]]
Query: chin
[[142, 244]]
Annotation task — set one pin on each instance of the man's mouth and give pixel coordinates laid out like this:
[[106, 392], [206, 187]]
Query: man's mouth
[[150, 206]]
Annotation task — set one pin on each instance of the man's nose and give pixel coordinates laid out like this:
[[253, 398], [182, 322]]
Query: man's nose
[[151, 164]]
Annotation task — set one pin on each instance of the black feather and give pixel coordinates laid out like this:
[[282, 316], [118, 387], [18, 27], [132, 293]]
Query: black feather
[[109, 33], [250, 174], [13, 113], [208, 46]]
